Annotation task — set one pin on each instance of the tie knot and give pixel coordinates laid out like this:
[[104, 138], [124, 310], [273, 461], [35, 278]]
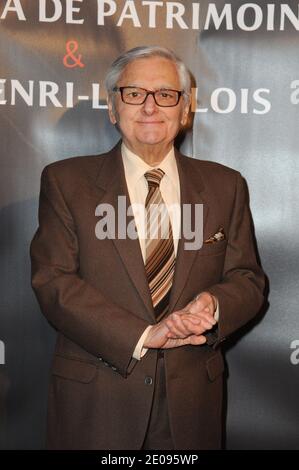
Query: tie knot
[[154, 177]]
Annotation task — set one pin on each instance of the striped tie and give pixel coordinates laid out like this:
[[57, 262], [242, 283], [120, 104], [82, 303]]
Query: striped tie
[[159, 248]]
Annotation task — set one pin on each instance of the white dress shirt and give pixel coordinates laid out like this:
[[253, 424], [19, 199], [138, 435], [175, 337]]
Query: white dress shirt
[[135, 167]]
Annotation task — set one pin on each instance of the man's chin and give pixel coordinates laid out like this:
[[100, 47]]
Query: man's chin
[[151, 140]]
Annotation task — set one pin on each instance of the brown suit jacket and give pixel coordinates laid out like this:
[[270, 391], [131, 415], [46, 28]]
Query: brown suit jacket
[[95, 293]]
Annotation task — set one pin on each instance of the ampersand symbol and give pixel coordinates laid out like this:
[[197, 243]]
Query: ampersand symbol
[[71, 48]]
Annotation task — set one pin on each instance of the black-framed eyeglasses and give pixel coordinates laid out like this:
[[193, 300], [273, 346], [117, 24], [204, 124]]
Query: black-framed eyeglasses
[[136, 95]]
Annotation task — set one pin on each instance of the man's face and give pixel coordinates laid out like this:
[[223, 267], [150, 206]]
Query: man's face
[[149, 124]]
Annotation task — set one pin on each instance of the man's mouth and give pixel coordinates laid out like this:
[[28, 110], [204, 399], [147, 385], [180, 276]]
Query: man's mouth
[[150, 122]]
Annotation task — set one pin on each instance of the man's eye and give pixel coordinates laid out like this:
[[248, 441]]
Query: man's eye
[[165, 95], [133, 94]]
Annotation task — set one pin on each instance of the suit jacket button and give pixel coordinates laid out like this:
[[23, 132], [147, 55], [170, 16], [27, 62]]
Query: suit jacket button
[[148, 381]]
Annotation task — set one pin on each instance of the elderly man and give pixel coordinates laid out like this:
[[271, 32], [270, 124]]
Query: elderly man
[[140, 318]]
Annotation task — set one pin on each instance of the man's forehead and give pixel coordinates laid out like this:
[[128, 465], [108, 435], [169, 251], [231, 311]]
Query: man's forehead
[[142, 69]]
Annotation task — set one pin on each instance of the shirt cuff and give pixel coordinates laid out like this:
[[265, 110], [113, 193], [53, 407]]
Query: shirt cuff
[[216, 314], [139, 350]]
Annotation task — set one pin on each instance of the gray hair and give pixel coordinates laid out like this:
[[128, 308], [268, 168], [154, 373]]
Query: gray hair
[[117, 67]]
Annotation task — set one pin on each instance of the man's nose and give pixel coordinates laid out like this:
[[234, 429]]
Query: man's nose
[[149, 105]]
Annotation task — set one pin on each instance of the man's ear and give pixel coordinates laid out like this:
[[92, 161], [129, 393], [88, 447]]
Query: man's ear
[[185, 114], [111, 111]]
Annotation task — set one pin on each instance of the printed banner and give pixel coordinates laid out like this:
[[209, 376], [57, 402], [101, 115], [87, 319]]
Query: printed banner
[[54, 55]]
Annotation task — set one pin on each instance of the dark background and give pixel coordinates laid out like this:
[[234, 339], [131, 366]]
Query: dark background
[[263, 382]]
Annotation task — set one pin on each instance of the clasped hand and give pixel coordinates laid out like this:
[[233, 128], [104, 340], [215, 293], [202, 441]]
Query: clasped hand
[[186, 326]]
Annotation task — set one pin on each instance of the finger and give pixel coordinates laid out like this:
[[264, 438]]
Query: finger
[[191, 317], [187, 307], [188, 324], [183, 325], [207, 318], [194, 329], [207, 324], [196, 324], [193, 339], [204, 318], [174, 332], [176, 326], [204, 301], [197, 340], [200, 305], [206, 315], [198, 329]]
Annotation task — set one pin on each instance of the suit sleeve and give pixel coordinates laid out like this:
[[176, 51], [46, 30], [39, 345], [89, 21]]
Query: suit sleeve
[[240, 294], [74, 307]]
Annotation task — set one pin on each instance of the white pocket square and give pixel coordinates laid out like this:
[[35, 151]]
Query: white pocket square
[[217, 237]]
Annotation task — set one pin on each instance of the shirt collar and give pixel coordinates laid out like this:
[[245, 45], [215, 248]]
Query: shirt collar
[[135, 167]]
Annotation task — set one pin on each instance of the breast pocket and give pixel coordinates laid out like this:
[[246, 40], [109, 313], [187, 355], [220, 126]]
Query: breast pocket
[[213, 249]]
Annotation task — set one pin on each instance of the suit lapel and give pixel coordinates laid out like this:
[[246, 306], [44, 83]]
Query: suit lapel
[[192, 192], [111, 180]]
